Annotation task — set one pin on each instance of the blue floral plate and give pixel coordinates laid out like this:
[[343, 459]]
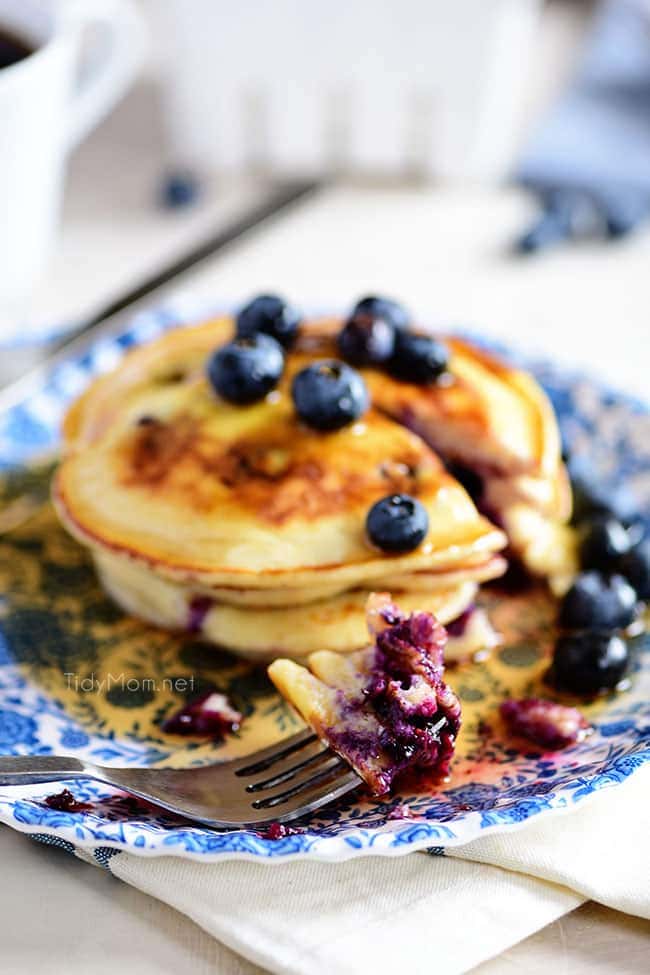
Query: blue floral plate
[[78, 677]]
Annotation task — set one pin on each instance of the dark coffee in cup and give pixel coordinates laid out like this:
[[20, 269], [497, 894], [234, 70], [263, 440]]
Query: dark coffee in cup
[[12, 49]]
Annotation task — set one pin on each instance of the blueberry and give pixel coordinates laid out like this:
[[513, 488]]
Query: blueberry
[[386, 309], [589, 661], [397, 523], [366, 340], [328, 395], [417, 359], [550, 228], [623, 212], [605, 541], [245, 370], [180, 189], [271, 315], [635, 566], [592, 497], [598, 602]]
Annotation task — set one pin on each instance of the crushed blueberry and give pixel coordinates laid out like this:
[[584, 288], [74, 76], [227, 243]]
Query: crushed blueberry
[[271, 315], [397, 523], [117, 807], [210, 714], [278, 831], [400, 811], [328, 395], [546, 723], [245, 370], [65, 802], [589, 661], [417, 712], [198, 609]]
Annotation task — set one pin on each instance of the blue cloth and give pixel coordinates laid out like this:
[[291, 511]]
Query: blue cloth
[[596, 139]]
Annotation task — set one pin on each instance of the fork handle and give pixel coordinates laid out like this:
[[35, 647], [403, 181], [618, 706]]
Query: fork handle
[[28, 769]]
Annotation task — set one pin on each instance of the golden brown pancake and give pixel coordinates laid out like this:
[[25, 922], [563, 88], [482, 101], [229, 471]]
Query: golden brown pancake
[[181, 496], [337, 623], [498, 423], [163, 471]]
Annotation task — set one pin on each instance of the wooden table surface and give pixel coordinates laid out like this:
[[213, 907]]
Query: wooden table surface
[[445, 253]]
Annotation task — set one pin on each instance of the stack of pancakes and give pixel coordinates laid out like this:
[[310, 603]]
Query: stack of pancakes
[[240, 524]]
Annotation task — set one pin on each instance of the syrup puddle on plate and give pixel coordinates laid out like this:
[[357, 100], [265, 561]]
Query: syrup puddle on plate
[[117, 680]]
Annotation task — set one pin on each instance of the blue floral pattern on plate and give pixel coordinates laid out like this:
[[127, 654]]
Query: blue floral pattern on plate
[[617, 431]]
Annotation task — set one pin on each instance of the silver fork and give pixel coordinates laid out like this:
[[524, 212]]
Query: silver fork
[[277, 784]]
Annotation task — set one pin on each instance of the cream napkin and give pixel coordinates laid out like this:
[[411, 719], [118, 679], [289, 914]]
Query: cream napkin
[[419, 913]]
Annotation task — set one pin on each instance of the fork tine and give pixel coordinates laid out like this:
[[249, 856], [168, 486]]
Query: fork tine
[[262, 760], [333, 769], [285, 775], [324, 795], [284, 764]]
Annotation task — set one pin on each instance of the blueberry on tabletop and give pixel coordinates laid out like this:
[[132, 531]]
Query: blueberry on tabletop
[[246, 369], [589, 661], [604, 542], [622, 224], [418, 359], [388, 310], [623, 212], [562, 211], [328, 395], [180, 189], [271, 315], [635, 566], [397, 523], [598, 602], [550, 228]]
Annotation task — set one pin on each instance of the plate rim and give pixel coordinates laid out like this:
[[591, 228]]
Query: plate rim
[[383, 841], [393, 838]]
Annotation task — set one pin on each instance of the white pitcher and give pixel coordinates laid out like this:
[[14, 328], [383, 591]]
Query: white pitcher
[[45, 109]]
